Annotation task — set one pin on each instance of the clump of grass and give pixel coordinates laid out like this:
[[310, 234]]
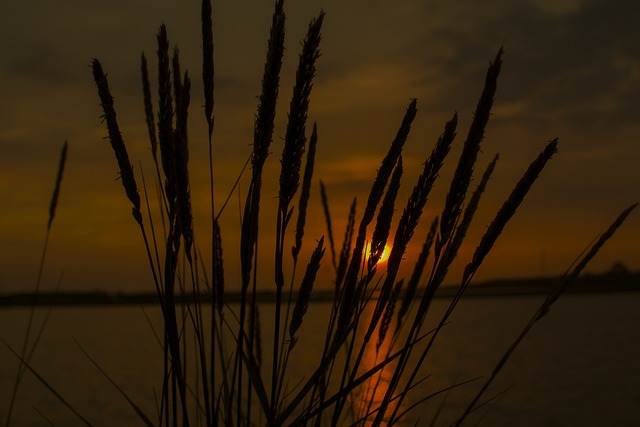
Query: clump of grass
[[228, 386]]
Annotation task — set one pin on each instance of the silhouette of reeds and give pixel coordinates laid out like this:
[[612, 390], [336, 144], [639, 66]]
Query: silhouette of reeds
[[225, 383], [213, 359], [349, 292], [115, 137]]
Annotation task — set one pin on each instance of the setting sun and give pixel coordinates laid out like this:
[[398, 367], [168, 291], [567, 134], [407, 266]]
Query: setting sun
[[385, 254], [383, 257]]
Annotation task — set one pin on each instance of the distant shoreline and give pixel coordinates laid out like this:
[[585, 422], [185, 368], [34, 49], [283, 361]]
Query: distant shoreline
[[609, 282]]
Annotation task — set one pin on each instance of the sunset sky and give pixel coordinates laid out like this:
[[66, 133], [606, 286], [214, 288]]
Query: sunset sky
[[571, 70]]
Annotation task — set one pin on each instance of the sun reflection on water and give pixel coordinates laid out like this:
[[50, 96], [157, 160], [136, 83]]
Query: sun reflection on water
[[370, 395]]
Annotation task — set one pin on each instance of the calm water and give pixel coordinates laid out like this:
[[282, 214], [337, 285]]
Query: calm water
[[580, 366]]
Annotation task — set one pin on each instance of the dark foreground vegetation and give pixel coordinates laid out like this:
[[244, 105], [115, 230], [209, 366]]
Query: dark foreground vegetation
[[208, 381]]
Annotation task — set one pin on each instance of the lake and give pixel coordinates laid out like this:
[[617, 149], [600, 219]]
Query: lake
[[579, 366]]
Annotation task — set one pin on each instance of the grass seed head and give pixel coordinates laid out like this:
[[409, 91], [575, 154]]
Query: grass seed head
[[115, 138]]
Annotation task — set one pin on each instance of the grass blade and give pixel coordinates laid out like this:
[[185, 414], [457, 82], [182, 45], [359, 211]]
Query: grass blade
[[131, 403], [46, 384]]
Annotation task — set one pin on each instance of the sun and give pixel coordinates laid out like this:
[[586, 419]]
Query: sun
[[383, 257], [385, 254]]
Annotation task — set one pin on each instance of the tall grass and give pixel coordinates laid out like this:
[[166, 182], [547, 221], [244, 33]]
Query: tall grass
[[222, 384]]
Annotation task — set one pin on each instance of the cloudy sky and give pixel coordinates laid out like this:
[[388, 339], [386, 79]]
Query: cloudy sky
[[571, 70]]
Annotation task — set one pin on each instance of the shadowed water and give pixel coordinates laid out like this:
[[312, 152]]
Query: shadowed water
[[577, 367]]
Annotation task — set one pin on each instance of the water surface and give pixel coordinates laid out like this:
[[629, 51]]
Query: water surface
[[578, 367]]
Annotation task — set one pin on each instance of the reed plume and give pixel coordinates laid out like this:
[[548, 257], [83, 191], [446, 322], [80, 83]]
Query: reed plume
[[464, 170], [388, 164], [569, 277], [418, 269], [295, 137], [148, 106], [404, 232], [304, 294], [385, 215], [508, 209], [304, 192], [375, 194], [290, 163], [495, 228], [415, 205], [451, 249], [471, 208], [218, 268], [388, 313], [115, 137], [352, 290], [177, 82], [23, 356], [262, 137], [418, 198], [165, 118], [207, 62], [181, 161], [264, 123]]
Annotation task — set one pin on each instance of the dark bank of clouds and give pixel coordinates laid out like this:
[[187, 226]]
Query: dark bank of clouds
[[580, 67], [586, 65], [578, 63]]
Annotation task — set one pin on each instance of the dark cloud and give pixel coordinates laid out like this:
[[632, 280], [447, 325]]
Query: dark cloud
[[580, 67], [38, 66], [572, 64]]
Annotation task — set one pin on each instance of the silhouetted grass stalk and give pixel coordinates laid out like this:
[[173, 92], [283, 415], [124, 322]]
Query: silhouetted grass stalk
[[552, 297], [295, 140], [24, 357]]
